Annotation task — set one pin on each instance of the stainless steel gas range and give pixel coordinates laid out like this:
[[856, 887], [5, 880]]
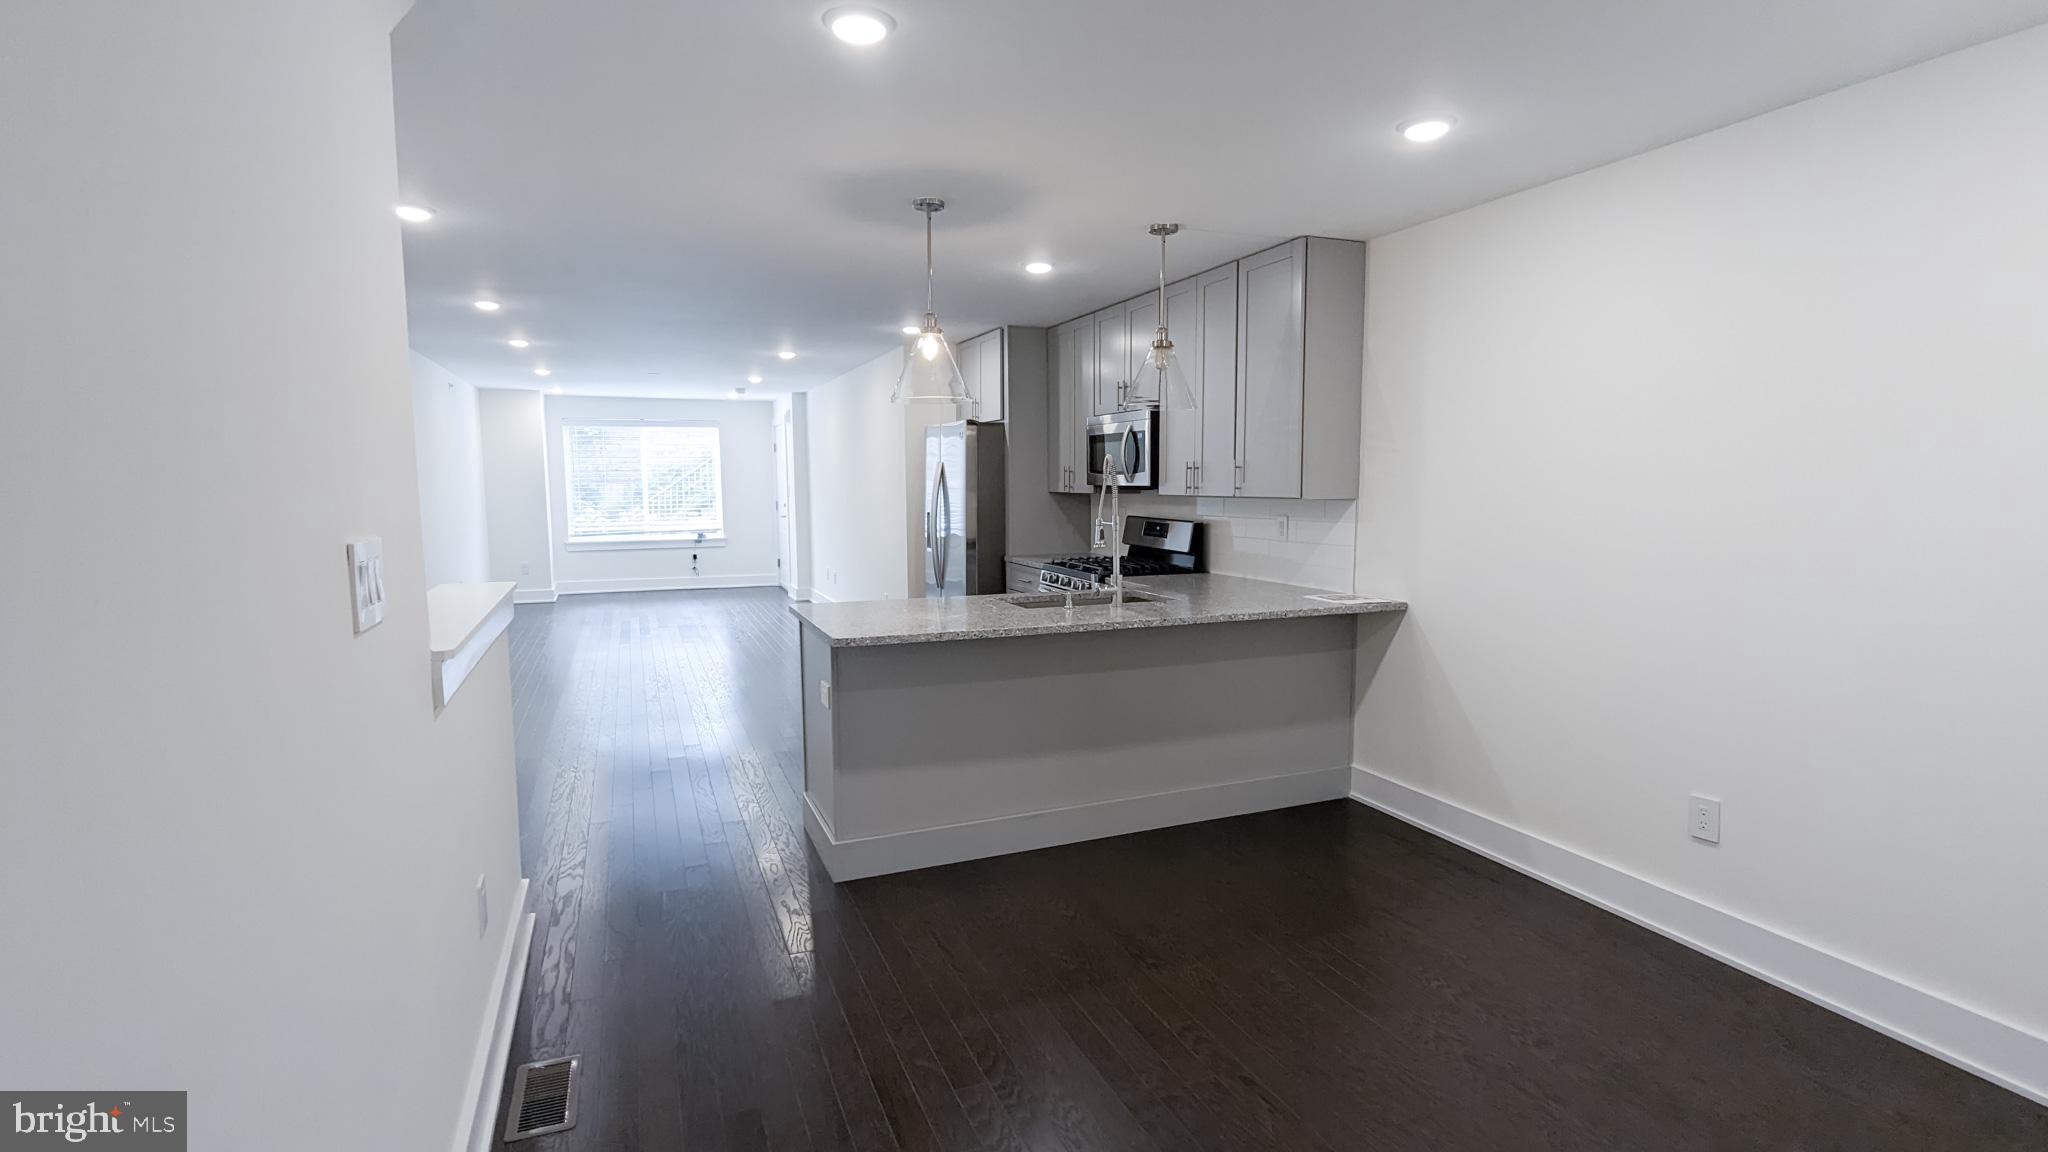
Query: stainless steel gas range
[[1154, 547]]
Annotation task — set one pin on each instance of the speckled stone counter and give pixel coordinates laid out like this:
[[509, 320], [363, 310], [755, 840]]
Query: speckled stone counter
[[1204, 599]]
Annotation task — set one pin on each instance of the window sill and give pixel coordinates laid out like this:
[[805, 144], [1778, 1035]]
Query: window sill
[[635, 543]]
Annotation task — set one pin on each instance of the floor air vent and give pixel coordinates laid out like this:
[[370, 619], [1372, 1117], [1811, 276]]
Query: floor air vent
[[543, 1099]]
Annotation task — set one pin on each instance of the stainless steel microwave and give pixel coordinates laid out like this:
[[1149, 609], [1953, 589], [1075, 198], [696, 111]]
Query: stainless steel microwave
[[1127, 442]]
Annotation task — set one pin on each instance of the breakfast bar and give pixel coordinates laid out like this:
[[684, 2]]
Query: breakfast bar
[[947, 729]]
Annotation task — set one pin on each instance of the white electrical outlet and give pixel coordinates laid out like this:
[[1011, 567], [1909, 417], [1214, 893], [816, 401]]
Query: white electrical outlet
[[1703, 819], [483, 905], [525, 569], [1283, 528]]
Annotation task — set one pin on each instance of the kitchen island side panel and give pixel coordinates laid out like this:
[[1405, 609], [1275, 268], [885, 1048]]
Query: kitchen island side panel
[[814, 655], [928, 735]]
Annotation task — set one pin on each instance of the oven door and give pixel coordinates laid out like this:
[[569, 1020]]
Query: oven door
[[1129, 440]]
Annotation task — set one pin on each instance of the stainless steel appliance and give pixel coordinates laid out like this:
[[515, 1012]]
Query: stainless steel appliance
[[1156, 547], [1129, 437], [963, 509]]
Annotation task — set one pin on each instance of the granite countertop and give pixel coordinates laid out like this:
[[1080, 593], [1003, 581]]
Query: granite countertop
[[1201, 599]]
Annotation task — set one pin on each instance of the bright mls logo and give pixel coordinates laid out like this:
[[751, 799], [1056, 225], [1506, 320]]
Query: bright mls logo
[[149, 1120]]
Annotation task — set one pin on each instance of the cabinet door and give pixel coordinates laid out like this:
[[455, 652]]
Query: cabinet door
[[1213, 374], [1269, 371], [1071, 401], [1180, 429], [995, 392], [1141, 320], [1058, 382], [967, 355], [1110, 369]]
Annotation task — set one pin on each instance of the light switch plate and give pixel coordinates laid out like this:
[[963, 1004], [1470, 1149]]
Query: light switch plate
[[366, 581]]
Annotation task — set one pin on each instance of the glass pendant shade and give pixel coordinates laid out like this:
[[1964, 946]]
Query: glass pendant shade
[[930, 374], [1161, 369]]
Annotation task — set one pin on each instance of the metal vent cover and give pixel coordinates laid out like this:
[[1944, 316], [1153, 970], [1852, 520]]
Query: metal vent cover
[[543, 1099]]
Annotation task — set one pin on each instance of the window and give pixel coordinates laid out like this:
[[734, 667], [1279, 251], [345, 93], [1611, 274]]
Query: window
[[633, 482]]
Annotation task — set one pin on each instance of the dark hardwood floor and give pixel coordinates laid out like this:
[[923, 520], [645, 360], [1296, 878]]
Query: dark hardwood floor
[[1319, 978]]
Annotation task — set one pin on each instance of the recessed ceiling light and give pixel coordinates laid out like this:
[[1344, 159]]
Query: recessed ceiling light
[[911, 329], [487, 305], [516, 342], [1428, 130], [754, 379], [859, 26], [785, 354], [413, 213], [542, 372], [1038, 267]]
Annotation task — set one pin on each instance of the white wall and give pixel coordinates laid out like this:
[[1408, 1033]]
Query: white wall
[[747, 461], [448, 445], [1722, 470], [515, 470], [238, 851], [861, 491]]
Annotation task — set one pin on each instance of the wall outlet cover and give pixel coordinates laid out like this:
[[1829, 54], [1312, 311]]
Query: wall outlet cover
[[366, 582], [1703, 819]]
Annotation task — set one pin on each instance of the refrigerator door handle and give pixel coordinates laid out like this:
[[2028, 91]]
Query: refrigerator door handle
[[942, 547]]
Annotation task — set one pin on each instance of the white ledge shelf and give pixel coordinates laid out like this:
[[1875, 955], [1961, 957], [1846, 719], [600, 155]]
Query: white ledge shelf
[[462, 622]]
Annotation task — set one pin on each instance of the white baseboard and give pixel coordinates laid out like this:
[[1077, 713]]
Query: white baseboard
[[953, 843], [817, 596], [477, 1122], [1999, 1052], [668, 584], [534, 596]]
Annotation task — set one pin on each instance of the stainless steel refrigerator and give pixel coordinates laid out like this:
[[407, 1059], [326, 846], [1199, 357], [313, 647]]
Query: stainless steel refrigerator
[[963, 509]]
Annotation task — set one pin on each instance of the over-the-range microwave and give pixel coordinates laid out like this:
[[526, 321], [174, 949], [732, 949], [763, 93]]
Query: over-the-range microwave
[[1130, 440]]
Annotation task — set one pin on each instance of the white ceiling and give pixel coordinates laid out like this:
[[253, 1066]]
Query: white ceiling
[[663, 192]]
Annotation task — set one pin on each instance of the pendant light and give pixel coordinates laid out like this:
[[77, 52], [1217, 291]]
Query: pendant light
[[1170, 380], [930, 374]]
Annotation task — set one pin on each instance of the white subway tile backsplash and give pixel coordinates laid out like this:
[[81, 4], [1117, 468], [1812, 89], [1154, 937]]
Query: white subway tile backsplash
[[1243, 536]]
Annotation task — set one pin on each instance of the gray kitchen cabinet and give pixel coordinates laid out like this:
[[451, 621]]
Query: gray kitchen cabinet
[[1180, 429], [1070, 397], [981, 370], [995, 391], [1274, 349], [1111, 370], [1300, 367], [1212, 373]]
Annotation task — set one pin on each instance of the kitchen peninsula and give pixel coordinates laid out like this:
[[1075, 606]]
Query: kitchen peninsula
[[949, 729]]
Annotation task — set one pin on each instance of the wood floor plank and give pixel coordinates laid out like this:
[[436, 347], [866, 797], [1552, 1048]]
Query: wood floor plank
[[1322, 978]]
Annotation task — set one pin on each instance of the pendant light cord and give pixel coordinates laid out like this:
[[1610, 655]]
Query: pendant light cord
[[928, 261]]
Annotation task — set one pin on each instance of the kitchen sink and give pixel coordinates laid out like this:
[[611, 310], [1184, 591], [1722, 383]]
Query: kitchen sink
[[1078, 600]]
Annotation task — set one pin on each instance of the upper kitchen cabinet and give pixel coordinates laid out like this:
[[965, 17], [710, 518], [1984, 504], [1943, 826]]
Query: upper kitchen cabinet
[[1212, 373], [1070, 400], [981, 370], [1300, 368], [1112, 370], [1180, 429]]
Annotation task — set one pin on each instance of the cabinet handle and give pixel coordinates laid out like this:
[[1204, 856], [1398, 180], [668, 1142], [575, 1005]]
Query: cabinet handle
[[1198, 476], [1239, 485]]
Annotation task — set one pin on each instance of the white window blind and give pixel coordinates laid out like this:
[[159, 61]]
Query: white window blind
[[632, 482]]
